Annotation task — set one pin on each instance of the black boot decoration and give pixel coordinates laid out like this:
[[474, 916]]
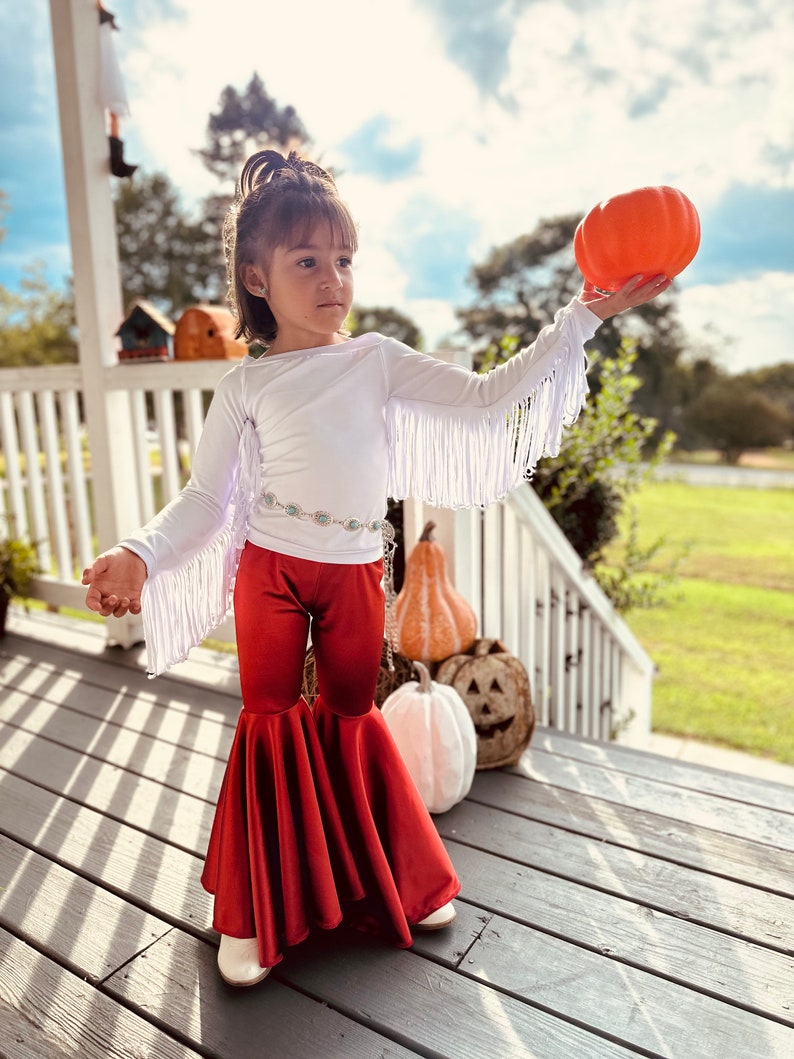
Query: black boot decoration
[[118, 166]]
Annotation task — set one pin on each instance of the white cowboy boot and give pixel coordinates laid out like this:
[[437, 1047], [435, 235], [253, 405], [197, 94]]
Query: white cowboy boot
[[238, 961], [442, 917]]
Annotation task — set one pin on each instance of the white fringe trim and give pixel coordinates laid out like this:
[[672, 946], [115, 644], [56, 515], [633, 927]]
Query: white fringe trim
[[180, 607], [465, 457]]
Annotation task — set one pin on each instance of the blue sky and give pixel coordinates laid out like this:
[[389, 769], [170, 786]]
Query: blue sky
[[455, 126]]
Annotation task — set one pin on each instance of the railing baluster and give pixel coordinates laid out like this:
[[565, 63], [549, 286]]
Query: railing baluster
[[511, 578], [585, 668], [166, 429], [573, 722], [37, 508], [48, 423], [143, 470], [85, 547], [16, 509], [194, 417], [492, 581]]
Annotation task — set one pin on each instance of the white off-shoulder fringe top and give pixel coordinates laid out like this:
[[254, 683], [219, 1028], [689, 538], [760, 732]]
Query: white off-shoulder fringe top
[[300, 452]]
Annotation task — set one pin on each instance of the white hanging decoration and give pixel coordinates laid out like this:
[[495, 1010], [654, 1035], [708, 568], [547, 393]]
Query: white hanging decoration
[[434, 732]]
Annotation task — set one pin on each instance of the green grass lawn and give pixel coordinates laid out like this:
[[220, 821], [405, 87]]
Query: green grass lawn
[[723, 642]]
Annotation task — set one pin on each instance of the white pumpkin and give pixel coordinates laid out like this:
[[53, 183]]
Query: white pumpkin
[[434, 732]]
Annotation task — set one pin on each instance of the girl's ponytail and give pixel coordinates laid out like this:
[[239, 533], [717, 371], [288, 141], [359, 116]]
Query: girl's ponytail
[[265, 167]]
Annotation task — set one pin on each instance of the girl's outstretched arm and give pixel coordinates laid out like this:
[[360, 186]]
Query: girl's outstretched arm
[[115, 582], [629, 296]]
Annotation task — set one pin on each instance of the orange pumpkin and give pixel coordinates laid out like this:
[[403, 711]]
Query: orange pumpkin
[[647, 231], [430, 620]]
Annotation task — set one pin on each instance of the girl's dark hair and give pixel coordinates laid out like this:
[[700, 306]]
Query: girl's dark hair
[[279, 202]]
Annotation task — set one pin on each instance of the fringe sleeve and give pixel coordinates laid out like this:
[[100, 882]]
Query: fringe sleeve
[[473, 450], [182, 605]]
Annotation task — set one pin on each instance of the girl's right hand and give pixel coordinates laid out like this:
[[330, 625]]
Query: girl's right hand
[[115, 581], [634, 293]]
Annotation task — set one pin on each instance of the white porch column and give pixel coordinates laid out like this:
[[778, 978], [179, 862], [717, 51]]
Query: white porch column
[[97, 288]]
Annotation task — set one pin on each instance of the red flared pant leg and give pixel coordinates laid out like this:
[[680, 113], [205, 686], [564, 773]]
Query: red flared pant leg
[[401, 860], [278, 860], [316, 817]]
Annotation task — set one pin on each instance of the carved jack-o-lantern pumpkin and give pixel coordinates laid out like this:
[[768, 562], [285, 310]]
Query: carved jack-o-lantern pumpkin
[[495, 687]]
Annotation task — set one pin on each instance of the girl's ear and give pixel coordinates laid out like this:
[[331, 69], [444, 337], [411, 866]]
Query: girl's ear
[[253, 279]]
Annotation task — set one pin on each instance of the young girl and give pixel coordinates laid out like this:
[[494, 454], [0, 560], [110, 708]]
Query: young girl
[[317, 818]]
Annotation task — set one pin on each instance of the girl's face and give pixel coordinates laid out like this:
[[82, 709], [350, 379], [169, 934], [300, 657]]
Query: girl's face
[[309, 290]]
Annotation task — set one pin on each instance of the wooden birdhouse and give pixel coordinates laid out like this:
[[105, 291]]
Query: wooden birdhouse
[[146, 334], [495, 687], [206, 332]]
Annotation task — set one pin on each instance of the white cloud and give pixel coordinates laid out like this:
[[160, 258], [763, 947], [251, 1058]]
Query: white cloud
[[755, 314]]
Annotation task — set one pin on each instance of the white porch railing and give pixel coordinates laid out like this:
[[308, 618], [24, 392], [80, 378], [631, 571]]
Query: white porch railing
[[588, 674], [49, 492]]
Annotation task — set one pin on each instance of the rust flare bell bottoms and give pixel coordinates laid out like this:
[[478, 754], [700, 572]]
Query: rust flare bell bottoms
[[318, 818]]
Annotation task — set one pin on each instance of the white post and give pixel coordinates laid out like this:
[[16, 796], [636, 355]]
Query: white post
[[97, 288]]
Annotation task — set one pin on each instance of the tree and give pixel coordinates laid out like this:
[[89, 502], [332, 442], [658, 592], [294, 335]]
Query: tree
[[604, 457], [165, 255], [37, 324], [390, 322], [776, 382], [244, 123], [732, 418]]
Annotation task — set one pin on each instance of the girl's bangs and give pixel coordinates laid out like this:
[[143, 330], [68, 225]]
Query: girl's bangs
[[301, 220]]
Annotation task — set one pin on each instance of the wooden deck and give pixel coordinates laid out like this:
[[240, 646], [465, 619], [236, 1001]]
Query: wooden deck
[[614, 903]]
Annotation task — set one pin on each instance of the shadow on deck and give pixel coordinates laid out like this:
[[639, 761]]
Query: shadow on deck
[[614, 902]]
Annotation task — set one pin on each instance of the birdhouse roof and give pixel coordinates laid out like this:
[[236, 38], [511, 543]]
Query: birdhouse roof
[[220, 317], [145, 308]]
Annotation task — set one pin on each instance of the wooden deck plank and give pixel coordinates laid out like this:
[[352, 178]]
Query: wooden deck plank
[[49, 1013], [721, 965], [646, 832], [715, 812], [706, 899], [82, 926], [65, 641], [166, 718], [146, 870], [155, 706], [184, 820], [754, 790], [176, 984], [431, 1008], [182, 768], [155, 875], [640, 1010]]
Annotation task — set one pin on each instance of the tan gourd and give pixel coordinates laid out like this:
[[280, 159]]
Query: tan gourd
[[431, 620]]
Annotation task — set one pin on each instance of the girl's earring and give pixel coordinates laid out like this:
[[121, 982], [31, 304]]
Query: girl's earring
[[262, 291]]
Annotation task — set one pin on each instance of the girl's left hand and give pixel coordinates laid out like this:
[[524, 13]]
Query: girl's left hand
[[632, 294]]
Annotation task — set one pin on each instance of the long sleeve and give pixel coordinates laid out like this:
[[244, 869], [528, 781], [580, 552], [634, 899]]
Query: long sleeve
[[201, 510], [191, 548], [459, 439]]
